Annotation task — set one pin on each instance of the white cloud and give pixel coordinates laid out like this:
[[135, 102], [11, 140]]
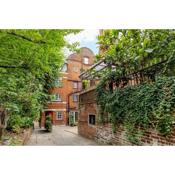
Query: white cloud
[[84, 36]]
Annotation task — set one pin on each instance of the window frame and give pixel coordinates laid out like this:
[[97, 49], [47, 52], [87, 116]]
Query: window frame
[[56, 99], [59, 82], [61, 112], [85, 58], [76, 85], [73, 95], [90, 124]]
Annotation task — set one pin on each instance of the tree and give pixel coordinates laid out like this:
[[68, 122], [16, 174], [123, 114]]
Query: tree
[[148, 103], [131, 50], [29, 64]]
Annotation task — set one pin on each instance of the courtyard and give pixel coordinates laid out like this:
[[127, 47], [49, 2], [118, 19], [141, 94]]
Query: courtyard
[[60, 136]]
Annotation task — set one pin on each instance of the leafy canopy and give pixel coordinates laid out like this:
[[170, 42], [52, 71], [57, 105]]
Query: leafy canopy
[[145, 105], [29, 64]]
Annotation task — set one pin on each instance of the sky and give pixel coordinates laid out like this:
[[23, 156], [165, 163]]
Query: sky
[[86, 38]]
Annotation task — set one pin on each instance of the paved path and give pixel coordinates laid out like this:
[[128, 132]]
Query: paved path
[[60, 135]]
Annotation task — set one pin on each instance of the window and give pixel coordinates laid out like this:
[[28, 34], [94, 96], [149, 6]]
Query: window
[[56, 97], [59, 115], [75, 97], [64, 68], [75, 85], [59, 82], [91, 119], [86, 60]]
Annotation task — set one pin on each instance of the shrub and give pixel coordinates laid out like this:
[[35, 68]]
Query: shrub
[[27, 122], [15, 123], [48, 124]]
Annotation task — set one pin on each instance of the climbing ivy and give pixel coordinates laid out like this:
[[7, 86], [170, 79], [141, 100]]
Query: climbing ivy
[[149, 104], [142, 106]]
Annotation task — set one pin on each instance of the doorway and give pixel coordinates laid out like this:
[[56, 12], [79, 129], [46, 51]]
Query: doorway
[[73, 118]]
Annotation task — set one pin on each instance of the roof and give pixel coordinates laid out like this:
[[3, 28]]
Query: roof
[[97, 67]]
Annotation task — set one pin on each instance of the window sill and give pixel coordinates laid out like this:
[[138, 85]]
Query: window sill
[[56, 101], [91, 125]]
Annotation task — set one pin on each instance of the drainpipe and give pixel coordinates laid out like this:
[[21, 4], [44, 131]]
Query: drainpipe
[[69, 98]]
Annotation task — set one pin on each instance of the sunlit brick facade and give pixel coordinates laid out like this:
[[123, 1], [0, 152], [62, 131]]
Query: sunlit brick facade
[[65, 95]]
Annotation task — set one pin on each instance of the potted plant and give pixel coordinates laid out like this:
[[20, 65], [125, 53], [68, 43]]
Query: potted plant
[[48, 124]]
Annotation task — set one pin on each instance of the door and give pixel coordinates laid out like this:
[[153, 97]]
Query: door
[[73, 118]]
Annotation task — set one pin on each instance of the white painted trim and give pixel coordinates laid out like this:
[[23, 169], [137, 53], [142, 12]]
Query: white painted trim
[[64, 72], [64, 102], [54, 110], [57, 115]]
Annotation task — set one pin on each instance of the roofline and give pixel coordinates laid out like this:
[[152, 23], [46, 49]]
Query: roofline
[[87, 49], [94, 65], [80, 51]]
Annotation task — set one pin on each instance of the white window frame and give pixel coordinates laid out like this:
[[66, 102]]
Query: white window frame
[[85, 60], [88, 120], [75, 83], [58, 98], [60, 112], [74, 98], [60, 82]]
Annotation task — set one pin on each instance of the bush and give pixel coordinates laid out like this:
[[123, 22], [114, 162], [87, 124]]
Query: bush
[[15, 123], [27, 122], [48, 124]]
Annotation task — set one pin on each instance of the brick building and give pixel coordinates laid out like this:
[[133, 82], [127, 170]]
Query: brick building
[[89, 121], [64, 101]]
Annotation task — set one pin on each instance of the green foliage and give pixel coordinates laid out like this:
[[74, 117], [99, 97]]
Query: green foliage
[[131, 50], [142, 106], [30, 61], [71, 120], [145, 105], [85, 84], [48, 124], [16, 122]]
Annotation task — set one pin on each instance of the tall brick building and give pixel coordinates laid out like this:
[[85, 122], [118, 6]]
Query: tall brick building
[[65, 95]]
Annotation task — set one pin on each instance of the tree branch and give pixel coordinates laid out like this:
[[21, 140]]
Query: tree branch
[[9, 67], [25, 38]]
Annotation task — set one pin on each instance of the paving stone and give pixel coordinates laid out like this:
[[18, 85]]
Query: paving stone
[[60, 135]]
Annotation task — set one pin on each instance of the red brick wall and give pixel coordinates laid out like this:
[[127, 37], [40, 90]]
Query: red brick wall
[[59, 122], [104, 134], [87, 105], [85, 130], [74, 61]]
